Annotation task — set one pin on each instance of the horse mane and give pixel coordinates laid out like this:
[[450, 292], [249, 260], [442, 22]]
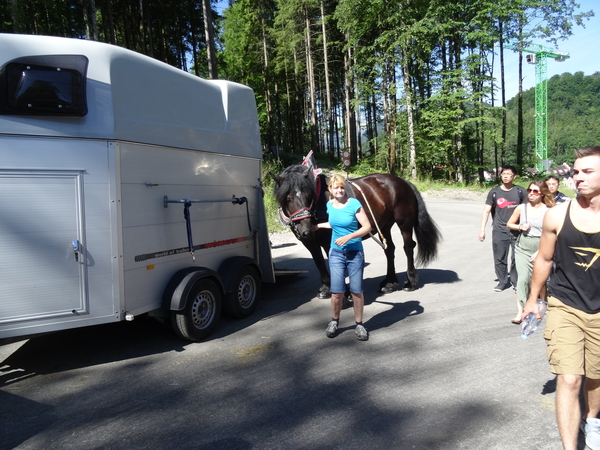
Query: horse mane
[[294, 178]]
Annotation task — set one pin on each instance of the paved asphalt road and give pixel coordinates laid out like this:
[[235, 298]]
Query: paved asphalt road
[[444, 369]]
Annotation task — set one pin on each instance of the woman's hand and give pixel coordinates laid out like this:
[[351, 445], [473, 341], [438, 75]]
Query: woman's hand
[[341, 241], [532, 259], [524, 227]]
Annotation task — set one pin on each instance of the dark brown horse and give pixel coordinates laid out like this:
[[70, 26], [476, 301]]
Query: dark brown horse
[[387, 200]]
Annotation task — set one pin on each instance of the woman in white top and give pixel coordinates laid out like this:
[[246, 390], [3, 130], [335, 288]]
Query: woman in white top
[[528, 218]]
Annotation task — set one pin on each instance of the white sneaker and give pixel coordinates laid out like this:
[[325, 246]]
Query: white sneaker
[[592, 433]]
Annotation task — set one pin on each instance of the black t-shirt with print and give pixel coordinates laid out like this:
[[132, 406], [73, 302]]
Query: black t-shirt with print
[[503, 204]]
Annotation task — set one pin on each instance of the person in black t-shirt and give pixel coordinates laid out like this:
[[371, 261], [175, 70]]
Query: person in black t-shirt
[[501, 202]]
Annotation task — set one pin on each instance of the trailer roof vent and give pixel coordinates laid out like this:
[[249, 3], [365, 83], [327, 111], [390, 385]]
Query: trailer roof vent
[[51, 85]]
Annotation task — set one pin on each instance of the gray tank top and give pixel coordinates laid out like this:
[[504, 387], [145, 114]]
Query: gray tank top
[[535, 223]]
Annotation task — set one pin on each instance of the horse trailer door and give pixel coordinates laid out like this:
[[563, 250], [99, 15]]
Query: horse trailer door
[[42, 246]]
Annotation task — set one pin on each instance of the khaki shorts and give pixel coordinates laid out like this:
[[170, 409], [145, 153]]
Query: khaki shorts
[[573, 340]]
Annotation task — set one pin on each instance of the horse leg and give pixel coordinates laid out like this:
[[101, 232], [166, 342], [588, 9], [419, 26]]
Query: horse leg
[[390, 282], [314, 248], [412, 277]]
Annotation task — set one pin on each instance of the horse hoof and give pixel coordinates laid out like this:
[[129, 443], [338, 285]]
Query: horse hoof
[[324, 295], [388, 288], [409, 287]]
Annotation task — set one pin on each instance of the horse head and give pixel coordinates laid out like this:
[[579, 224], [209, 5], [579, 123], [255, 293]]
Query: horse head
[[296, 192]]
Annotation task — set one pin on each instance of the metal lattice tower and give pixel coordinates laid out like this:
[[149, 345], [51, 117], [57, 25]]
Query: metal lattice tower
[[538, 55]]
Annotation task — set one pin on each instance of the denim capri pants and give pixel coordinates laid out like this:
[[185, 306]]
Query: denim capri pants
[[346, 263]]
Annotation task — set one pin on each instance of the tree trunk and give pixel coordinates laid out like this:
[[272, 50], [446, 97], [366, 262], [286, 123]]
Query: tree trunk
[[458, 137], [520, 115], [14, 13], [310, 73], [210, 40], [111, 24], [267, 85], [375, 123], [520, 107], [350, 119], [392, 114], [503, 93], [327, 86], [412, 152]]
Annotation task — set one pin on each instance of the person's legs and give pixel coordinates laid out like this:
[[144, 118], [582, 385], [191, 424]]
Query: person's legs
[[568, 410], [592, 398], [514, 276], [565, 340], [500, 246], [336, 305], [592, 382], [337, 270], [359, 305], [356, 265], [523, 266]]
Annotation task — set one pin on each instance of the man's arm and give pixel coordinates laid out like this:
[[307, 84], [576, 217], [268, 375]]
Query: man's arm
[[484, 218], [544, 260]]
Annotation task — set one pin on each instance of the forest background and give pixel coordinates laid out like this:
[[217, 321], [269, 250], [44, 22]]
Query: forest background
[[406, 86]]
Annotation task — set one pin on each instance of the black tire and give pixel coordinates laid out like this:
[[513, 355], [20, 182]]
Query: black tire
[[201, 313], [241, 302]]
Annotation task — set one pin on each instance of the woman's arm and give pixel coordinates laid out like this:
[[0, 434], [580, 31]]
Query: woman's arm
[[322, 225], [513, 222], [365, 224], [365, 227]]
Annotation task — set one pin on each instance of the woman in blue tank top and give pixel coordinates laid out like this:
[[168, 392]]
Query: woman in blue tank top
[[349, 224], [528, 219]]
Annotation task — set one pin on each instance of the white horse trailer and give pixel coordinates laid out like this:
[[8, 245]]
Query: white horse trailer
[[126, 187]]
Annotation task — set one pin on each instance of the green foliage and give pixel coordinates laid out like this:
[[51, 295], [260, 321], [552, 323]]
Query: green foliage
[[417, 74], [573, 116]]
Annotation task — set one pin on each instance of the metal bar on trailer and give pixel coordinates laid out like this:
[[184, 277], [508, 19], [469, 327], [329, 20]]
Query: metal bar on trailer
[[235, 200]]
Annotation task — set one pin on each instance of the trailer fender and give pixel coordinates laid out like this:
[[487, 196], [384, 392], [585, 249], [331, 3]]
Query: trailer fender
[[242, 278], [230, 269], [178, 288]]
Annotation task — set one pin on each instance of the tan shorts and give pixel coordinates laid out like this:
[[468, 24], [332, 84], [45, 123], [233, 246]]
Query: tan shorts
[[573, 340]]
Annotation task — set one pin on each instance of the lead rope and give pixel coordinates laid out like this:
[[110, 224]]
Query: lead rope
[[188, 223], [382, 242]]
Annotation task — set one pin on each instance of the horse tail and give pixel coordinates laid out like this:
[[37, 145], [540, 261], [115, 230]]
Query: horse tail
[[427, 232]]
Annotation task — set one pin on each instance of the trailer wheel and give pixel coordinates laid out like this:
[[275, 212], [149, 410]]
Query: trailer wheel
[[241, 302], [201, 313]]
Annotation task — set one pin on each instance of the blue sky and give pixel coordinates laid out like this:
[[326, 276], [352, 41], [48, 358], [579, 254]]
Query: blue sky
[[581, 47]]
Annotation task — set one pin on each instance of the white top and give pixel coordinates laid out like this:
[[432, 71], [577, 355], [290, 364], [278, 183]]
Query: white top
[[534, 217]]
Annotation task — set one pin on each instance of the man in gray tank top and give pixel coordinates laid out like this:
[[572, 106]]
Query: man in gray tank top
[[571, 238]]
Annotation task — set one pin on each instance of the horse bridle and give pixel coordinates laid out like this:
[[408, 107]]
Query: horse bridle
[[301, 214]]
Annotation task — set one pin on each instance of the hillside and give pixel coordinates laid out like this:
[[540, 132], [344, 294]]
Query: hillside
[[573, 116]]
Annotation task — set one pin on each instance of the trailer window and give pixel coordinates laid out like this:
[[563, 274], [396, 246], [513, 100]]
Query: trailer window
[[44, 85]]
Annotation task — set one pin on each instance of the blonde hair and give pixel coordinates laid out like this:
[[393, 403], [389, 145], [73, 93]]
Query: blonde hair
[[336, 179]]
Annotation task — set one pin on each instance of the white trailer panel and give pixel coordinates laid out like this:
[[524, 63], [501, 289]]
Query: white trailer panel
[[94, 139]]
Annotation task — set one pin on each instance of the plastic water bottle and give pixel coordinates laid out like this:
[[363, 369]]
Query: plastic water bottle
[[531, 323]]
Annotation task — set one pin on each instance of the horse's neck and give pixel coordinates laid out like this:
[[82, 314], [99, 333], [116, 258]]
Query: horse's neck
[[350, 190], [322, 193]]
